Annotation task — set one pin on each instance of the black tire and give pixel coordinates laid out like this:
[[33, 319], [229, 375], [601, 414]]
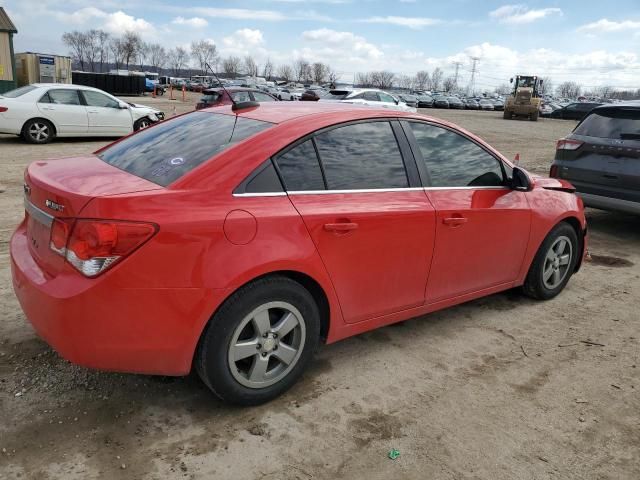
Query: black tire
[[506, 115], [534, 285], [212, 361], [38, 131], [141, 123], [534, 117]]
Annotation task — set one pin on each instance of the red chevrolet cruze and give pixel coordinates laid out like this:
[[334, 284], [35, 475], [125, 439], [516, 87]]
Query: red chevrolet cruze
[[235, 241]]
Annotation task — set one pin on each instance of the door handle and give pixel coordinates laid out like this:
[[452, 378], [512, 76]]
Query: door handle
[[455, 221], [340, 227], [92, 111], [47, 108], [608, 175]]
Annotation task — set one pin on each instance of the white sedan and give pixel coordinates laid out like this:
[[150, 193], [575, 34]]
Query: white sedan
[[42, 111], [368, 96]]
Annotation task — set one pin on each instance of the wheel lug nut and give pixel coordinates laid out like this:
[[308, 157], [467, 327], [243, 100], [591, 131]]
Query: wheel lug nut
[[258, 346], [275, 335], [264, 354], [265, 335], [275, 347]]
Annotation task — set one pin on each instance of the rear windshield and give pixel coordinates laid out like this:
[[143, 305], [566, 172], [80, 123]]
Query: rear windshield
[[18, 92], [209, 97], [620, 124], [338, 94], [164, 153]]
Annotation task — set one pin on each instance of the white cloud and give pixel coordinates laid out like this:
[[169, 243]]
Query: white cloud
[[244, 38], [119, 22], [519, 14], [239, 13], [82, 16], [604, 25], [195, 22], [330, 43], [410, 22]]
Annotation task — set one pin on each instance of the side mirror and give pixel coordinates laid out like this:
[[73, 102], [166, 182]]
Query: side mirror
[[511, 80], [520, 180], [123, 106]]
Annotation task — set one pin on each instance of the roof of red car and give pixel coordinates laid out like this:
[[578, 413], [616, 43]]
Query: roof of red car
[[279, 112]]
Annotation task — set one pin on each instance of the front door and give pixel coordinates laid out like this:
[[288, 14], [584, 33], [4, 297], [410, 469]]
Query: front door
[[63, 107], [373, 230], [105, 115], [482, 226]]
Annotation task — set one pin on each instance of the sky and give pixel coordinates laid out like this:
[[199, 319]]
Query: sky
[[593, 43]]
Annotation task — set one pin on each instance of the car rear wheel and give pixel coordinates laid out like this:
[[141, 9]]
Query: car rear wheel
[[38, 131], [534, 117], [554, 263], [506, 115], [259, 342], [142, 124]]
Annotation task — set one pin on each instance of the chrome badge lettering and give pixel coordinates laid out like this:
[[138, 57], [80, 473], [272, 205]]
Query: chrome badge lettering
[[54, 206]]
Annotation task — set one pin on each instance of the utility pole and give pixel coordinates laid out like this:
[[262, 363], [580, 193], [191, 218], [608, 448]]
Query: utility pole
[[473, 73], [457, 64]]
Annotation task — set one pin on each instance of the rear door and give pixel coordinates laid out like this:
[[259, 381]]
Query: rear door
[[371, 223], [603, 155], [64, 107], [482, 226], [105, 115]]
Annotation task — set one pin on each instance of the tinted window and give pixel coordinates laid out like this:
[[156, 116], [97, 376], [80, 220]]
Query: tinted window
[[241, 97], [264, 180], [622, 124], [371, 96], [167, 151], [64, 97], [18, 92], [300, 169], [362, 155], [262, 97], [97, 99], [386, 98], [454, 161]]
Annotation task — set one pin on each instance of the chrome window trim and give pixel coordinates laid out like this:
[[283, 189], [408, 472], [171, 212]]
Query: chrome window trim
[[364, 190], [39, 215], [497, 187], [260, 194]]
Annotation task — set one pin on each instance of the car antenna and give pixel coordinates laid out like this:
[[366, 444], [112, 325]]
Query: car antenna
[[235, 105]]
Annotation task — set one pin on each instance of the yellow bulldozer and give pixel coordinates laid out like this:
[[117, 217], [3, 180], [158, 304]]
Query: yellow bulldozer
[[524, 100]]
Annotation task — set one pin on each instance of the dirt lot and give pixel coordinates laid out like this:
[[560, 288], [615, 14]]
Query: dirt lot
[[499, 388]]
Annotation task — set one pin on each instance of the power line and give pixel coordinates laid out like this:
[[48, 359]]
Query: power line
[[473, 72]]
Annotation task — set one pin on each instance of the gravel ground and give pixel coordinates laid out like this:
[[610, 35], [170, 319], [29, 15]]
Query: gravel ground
[[499, 388]]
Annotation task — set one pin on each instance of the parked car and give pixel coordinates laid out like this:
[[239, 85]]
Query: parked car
[[283, 94], [601, 157], [150, 86], [296, 93], [498, 104], [311, 95], [214, 97], [545, 109], [574, 111], [471, 104], [485, 104], [367, 96], [425, 101], [410, 100], [42, 111], [455, 102], [440, 102], [237, 256]]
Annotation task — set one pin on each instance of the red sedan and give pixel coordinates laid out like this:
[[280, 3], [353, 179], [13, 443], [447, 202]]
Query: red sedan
[[237, 241], [214, 97]]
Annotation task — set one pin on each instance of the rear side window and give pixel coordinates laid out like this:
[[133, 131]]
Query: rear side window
[[455, 161], [62, 97], [262, 97], [361, 156], [300, 169], [164, 153], [616, 123]]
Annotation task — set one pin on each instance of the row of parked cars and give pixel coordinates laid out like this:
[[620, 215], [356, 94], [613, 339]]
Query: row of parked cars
[[451, 101]]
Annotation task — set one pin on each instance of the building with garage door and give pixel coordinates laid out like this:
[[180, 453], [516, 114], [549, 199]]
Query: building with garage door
[[7, 61]]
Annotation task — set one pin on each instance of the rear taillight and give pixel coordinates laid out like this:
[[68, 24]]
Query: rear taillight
[[3, 109], [567, 144], [93, 246], [553, 172]]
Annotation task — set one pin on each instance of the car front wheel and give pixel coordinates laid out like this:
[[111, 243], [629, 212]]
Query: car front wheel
[[142, 124], [259, 342], [554, 263]]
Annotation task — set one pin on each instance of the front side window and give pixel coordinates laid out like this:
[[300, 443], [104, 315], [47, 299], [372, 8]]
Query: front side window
[[361, 156], [171, 149], [384, 97], [300, 168], [97, 99], [455, 161], [262, 97], [63, 97]]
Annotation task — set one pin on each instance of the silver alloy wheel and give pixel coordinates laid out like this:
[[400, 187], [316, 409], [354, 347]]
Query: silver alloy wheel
[[557, 262], [39, 131], [266, 344]]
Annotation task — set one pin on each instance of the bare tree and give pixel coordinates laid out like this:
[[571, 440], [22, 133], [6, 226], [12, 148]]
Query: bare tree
[[285, 72], [103, 47], [267, 70], [364, 80], [250, 66], [405, 82], [157, 56], [422, 80], [436, 78], [77, 43], [568, 90], [231, 66], [319, 72], [301, 70], [503, 89], [131, 45], [142, 54], [449, 84], [604, 91], [203, 52], [116, 47], [332, 77], [382, 79], [546, 87], [177, 59]]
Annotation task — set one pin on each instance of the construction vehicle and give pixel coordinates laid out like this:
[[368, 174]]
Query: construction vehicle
[[524, 100]]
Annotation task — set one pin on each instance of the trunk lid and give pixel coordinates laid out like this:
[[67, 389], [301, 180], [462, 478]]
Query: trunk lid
[[61, 189]]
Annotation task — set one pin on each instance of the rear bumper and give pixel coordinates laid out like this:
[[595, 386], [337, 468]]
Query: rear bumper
[[610, 203], [103, 323], [10, 126]]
